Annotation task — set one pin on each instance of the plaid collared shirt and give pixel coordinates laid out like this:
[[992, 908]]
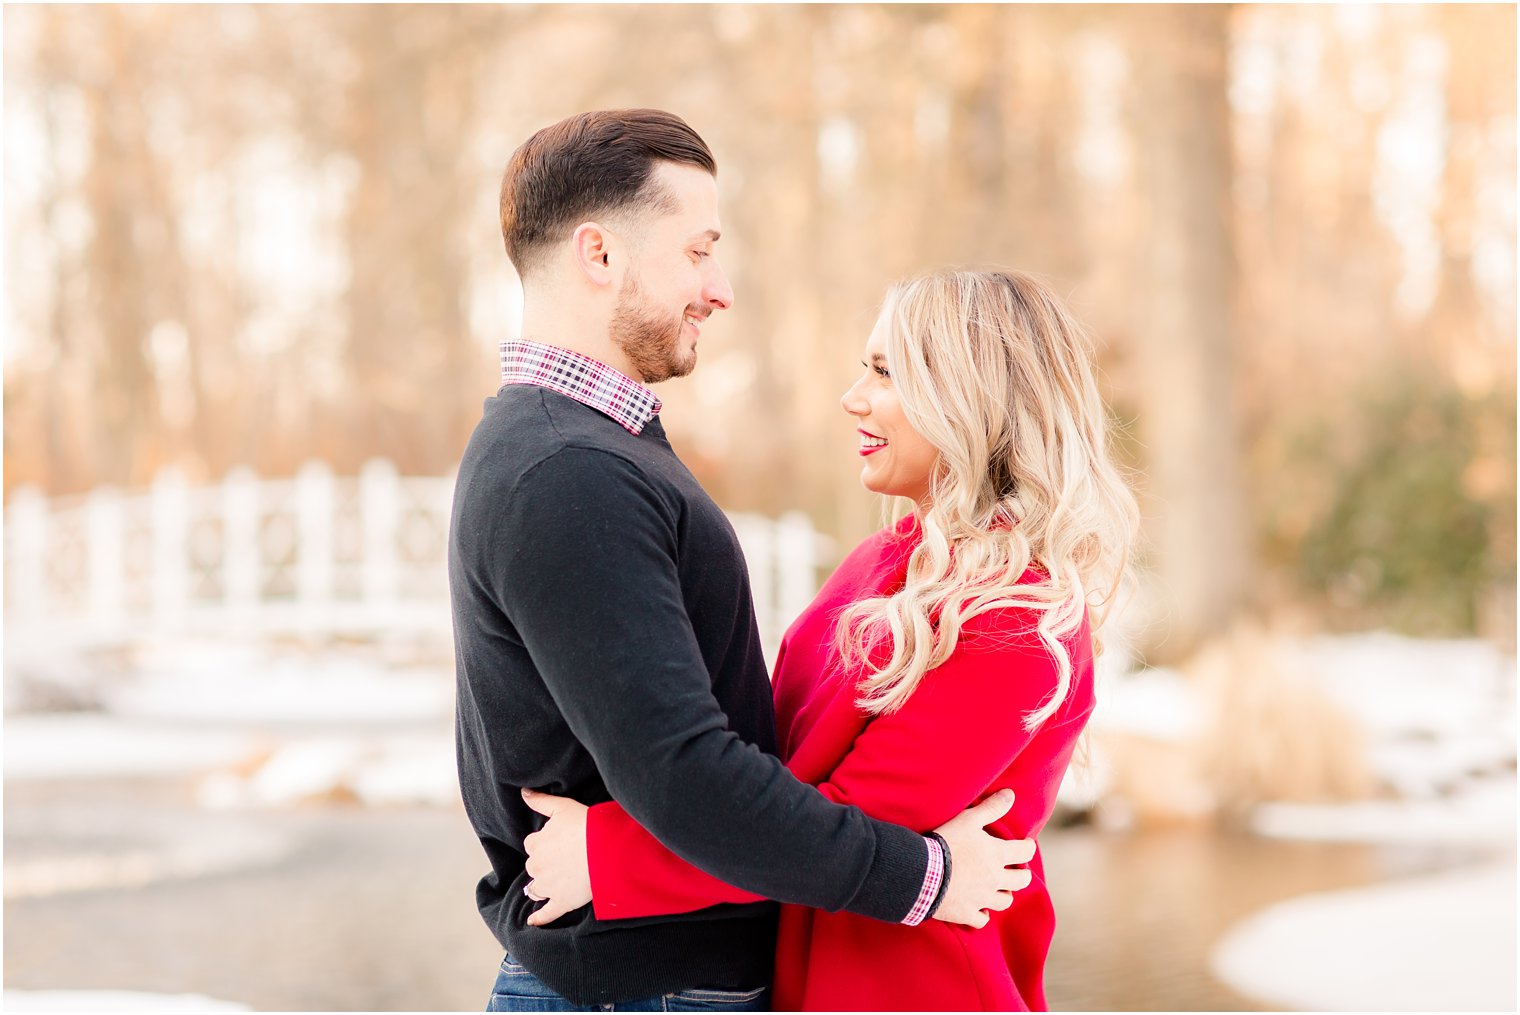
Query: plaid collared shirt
[[609, 391]]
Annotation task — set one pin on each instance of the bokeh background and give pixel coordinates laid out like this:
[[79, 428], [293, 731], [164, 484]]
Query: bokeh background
[[254, 287]]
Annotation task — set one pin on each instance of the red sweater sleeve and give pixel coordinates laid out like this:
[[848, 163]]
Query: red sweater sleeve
[[633, 874], [920, 766]]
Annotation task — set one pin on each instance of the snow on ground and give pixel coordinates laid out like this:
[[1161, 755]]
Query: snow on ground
[[414, 768], [1459, 693], [267, 724], [1158, 703], [417, 770], [253, 682], [1483, 813], [105, 856], [256, 724], [238, 767], [1438, 943], [1436, 710], [1397, 684], [111, 1000], [94, 744], [1439, 714], [1440, 719]]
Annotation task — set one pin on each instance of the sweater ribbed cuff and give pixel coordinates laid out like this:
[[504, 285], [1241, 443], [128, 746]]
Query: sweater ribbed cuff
[[897, 875], [934, 881]]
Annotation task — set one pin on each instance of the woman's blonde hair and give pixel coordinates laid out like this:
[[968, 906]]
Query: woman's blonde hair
[[997, 375]]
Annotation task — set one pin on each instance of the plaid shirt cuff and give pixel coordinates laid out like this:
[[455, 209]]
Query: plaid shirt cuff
[[933, 880]]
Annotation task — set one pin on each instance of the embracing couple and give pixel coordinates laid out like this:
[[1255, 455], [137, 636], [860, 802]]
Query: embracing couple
[[641, 788]]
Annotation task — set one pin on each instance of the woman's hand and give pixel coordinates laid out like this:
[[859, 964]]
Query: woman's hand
[[557, 858]]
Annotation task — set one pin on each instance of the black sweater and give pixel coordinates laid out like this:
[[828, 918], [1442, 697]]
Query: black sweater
[[606, 647]]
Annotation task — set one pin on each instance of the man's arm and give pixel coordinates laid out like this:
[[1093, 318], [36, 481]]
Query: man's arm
[[586, 571], [920, 766]]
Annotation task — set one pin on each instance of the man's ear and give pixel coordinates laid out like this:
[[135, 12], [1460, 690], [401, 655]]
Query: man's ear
[[591, 246]]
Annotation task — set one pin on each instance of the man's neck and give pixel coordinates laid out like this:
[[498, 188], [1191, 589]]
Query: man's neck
[[577, 327]]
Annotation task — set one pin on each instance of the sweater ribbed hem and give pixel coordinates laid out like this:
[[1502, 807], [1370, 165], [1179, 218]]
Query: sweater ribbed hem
[[607, 963]]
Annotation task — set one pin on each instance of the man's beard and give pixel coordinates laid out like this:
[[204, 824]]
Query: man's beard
[[650, 340]]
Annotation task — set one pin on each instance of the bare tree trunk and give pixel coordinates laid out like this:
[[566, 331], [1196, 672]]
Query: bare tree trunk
[[61, 419], [124, 393], [408, 339], [1456, 331], [1185, 330]]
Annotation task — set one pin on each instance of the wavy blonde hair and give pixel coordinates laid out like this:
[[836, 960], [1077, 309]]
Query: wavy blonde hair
[[997, 375]]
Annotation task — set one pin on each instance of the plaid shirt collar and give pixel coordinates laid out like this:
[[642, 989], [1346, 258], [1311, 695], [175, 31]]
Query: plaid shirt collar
[[582, 378]]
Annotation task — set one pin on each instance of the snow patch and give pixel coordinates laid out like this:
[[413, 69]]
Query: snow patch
[[1439, 943], [1484, 814], [88, 745], [251, 683], [1157, 703], [378, 771]]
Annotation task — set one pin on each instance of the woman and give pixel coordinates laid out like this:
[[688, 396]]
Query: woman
[[949, 656]]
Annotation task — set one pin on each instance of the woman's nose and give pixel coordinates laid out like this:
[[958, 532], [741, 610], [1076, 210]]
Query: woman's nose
[[851, 401]]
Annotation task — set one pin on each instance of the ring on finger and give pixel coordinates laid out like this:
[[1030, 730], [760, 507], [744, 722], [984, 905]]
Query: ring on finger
[[528, 891]]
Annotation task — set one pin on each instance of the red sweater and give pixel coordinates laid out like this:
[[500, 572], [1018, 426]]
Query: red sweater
[[958, 738]]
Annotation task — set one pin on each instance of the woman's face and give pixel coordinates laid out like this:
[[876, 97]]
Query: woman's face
[[898, 461]]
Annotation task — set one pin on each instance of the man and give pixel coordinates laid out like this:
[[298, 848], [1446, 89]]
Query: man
[[605, 636]]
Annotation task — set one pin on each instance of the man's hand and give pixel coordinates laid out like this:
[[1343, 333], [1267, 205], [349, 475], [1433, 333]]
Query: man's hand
[[980, 878], [557, 858]]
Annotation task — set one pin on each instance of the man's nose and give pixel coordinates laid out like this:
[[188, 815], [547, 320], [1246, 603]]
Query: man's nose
[[717, 292]]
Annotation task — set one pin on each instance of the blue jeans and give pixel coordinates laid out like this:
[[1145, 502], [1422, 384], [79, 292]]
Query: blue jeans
[[517, 989]]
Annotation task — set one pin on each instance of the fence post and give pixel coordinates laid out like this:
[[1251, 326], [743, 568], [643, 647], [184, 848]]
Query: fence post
[[796, 565], [104, 522], [240, 539], [171, 547], [315, 504], [380, 509], [26, 554], [757, 542]]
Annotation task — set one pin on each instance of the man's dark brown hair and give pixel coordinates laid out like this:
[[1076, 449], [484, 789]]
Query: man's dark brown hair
[[588, 165]]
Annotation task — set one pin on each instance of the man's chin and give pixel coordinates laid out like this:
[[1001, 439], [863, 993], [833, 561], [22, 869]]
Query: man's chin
[[674, 367]]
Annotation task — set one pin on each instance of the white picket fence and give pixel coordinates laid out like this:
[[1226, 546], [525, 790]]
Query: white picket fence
[[317, 553]]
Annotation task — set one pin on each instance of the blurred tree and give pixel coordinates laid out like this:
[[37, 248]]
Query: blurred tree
[[261, 234], [1480, 50], [408, 108], [1185, 334], [116, 264]]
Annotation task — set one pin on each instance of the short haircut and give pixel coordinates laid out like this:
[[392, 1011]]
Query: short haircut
[[589, 165]]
